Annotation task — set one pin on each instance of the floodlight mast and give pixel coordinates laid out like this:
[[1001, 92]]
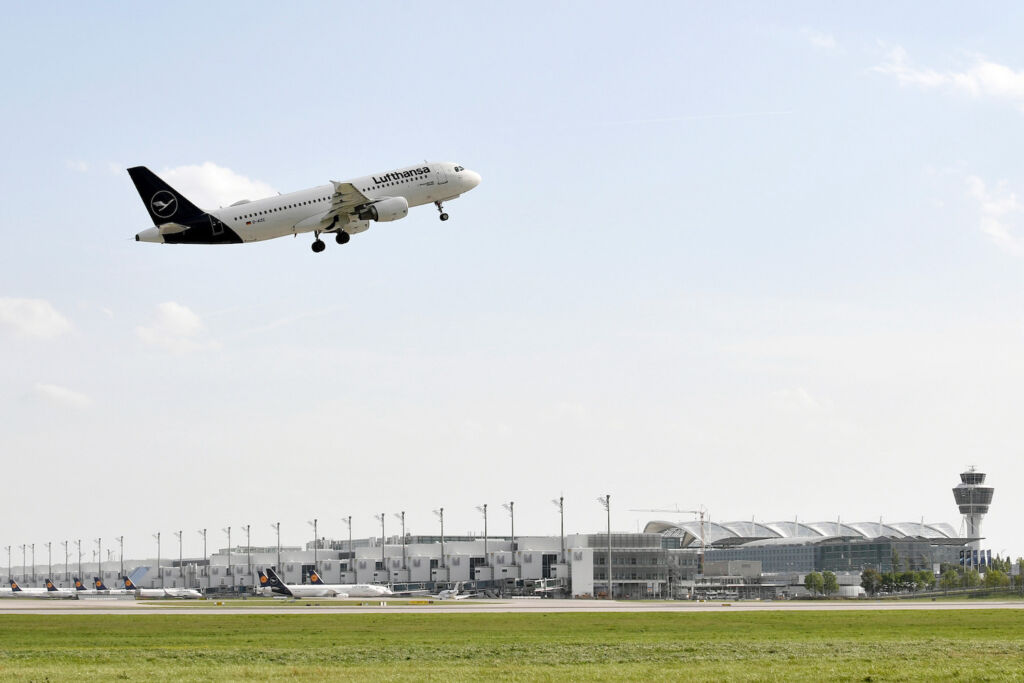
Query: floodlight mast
[[120, 544], [702, 512], [606, 502], [316, 542], [276, 526], [440, 515], [511, 507], [351, 553], [383, 560], [49, 561], [159, 571], [401, 516], [560, 504], [228, 532], [483, 510]]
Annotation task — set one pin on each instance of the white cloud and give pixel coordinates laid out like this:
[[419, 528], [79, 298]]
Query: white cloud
[[209, 185], [33, 318], [77, 165], [1002, 214], [983, 78], [63, 395], [824, 41], [176, 329]]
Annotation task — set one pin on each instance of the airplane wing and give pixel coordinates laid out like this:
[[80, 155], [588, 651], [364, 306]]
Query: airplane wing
[[344, 200]]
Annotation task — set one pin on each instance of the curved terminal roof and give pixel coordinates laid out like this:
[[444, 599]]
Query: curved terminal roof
[[788, 532]]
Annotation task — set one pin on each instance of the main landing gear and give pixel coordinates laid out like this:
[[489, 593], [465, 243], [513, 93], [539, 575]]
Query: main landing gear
[[440, 209], [341, 237], [318, 244]]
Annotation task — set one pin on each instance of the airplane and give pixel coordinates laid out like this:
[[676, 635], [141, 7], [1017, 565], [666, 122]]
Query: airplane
[[50, 591], [342, 208], [182, 593], [99, 588], [353, 590], [55, 592], [454, 593], [300, 590]]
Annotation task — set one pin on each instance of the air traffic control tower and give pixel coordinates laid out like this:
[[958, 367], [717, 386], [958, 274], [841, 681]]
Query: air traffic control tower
[[973, 498]]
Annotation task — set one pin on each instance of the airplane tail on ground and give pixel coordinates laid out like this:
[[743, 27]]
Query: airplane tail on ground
[[98, 583], [15, 587], [79, 586], [164, 203], [50, 587], [315, 579], [264, 581], [276, 583], [129, 584]]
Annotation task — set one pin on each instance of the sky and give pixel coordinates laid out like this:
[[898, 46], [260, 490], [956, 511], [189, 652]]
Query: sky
[[763, 259]]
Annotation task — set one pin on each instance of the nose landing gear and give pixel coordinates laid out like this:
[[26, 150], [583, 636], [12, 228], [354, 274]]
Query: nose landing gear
[[440, 209]]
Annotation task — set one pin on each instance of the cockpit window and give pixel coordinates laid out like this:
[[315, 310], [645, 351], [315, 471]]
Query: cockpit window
[[459, 168]]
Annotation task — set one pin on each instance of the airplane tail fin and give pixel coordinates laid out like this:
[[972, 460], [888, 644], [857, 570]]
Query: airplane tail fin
[[15, 587], [49, 586], [276, 583], [129, 584], [164, 203], [264, 581], [79, 586], [315, 579], [98, 583]]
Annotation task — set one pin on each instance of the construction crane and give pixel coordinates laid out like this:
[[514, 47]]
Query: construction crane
[[701, 512]]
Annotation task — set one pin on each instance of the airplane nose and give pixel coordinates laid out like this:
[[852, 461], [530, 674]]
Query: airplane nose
[[473, 178]]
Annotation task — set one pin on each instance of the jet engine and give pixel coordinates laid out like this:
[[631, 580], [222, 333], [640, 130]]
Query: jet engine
[[390, 209]]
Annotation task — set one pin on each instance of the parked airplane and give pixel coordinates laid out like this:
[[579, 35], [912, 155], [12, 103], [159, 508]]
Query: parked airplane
[[454, 594], [49, 591], [353, 590], [300, 590], [181, 593], [343, 208], [99, 588]]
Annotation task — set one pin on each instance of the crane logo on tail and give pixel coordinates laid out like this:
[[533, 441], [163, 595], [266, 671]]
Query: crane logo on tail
[[164, 204]]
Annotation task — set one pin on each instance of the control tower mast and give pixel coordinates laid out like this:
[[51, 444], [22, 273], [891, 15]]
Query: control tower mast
[[973, 499]]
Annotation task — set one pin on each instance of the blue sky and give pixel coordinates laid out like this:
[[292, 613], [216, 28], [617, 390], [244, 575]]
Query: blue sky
[[764, 258]]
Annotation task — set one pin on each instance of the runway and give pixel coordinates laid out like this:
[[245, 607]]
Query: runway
[[325, 606]]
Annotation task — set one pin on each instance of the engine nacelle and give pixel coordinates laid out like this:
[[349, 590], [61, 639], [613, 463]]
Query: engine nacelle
[[390, 209]]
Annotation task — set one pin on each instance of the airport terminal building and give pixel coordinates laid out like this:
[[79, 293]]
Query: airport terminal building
[[669, 559]]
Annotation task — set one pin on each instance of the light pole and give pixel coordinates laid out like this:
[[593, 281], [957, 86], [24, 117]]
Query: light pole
[[67, 571], [511, 507], [33, 546], [440, 515], [483, 510], [228, 532], [9, 577], [277, 527], [401, 516], [316, 542], [49, 561], [351, 553], [248, 553], [181, 570], [159, 571], [560, 504], [202, 532], [120, 543], [78, 545], [99, 557], [606, 502], [23, 563], [383, 558]]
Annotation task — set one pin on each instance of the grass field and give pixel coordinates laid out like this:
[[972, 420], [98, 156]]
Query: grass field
[[860, 646]]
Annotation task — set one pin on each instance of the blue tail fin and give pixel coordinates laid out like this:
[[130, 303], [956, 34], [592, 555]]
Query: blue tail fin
[[98, 583], [50, 587], [79, 586], [163, 202], [315, 579], [276, 583], [15, 587]]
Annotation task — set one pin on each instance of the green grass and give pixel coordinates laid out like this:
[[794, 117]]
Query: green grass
[[856, 646]]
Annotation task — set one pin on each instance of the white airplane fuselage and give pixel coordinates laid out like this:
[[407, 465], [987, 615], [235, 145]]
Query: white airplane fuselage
[[310, 210]]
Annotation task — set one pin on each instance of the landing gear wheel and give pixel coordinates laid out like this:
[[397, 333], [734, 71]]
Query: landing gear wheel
[[440, 210], [342, 237], [319, 246]]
